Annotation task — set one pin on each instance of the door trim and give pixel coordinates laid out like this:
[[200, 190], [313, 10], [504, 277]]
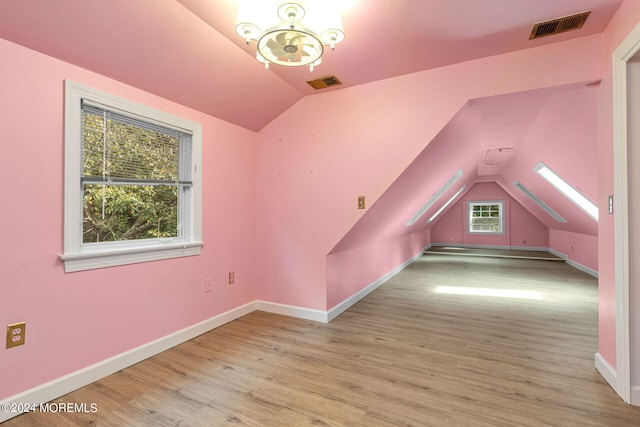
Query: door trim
[[621, 56]]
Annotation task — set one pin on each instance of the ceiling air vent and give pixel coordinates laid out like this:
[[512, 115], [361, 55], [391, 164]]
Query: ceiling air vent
[[559, 25], [324, 82]]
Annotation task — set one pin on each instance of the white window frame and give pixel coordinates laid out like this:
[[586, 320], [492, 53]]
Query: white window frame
[[79, 256], [470, 206]]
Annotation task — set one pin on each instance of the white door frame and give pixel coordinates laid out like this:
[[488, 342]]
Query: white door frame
[[621, 56]]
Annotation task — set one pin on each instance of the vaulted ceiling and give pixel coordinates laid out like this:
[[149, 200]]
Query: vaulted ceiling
[[187, 51]]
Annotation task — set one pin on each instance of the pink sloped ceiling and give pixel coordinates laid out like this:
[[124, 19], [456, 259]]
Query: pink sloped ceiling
[[78, 319], [157, 46], [564, 137], [188, 50]]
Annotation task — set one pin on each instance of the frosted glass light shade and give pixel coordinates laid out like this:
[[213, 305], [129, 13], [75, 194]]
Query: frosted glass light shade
[[290, 47]]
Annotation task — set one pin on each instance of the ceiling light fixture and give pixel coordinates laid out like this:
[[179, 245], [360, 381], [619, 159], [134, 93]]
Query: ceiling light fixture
[[291, 34]]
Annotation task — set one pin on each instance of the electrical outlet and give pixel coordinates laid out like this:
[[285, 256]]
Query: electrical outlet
[[15, 334], [232, 278], [208, 285]]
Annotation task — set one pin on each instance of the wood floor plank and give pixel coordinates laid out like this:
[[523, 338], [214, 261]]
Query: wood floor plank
[[408, 354]]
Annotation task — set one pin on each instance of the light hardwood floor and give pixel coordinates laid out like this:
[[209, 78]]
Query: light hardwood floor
[[405, 355]]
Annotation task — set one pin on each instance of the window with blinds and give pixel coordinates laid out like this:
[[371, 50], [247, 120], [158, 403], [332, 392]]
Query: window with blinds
[[486, 217], [134, 175], [133, 186]]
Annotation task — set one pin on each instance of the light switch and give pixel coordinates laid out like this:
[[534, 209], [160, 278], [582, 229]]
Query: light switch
[[610, 209]]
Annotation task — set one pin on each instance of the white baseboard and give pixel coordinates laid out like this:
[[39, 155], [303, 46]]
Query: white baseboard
[[635, 395], [73, 381], [517, 248], [348, 302], [607, 372], [293, 311], [583, 268]]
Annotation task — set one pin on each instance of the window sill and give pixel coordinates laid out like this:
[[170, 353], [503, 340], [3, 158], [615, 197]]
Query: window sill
[[93, 260]]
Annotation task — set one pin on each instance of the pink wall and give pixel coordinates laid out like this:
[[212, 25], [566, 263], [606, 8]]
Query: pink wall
[[624, 21], [449, 227], [351, 270], [580, 248], [522, 229], [77, 319], [357, 141]]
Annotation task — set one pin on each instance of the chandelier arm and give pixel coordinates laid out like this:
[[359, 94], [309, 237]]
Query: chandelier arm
[[289, 42]]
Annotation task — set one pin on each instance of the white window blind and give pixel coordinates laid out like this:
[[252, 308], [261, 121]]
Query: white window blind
[[155, 155]]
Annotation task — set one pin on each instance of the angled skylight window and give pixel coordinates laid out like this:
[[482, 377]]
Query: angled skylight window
[[567, 190], [435, 197], [455, 196], [555, 215]]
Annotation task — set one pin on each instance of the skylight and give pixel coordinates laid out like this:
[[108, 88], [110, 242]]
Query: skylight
[[567, 190], [555, 215], [435, 197], [447, 204]]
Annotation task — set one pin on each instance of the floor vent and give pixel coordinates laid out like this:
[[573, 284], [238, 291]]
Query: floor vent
[[324, 82], [559, 25]]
